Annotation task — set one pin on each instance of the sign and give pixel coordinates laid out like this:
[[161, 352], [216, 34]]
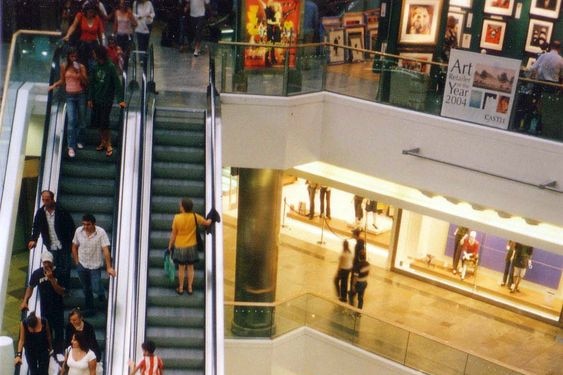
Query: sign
[[480, 88]]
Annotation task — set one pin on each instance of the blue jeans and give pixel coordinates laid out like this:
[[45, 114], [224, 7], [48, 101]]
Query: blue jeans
[[91, 280], [75, 112]]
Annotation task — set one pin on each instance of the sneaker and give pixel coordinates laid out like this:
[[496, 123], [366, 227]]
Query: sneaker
[[71, 152], [196, 53], [80, 146]]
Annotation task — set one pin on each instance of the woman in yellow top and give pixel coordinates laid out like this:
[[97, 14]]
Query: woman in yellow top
[[184, 242]]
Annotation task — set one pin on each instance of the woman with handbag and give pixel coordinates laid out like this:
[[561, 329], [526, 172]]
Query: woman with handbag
[[184, 240], [79, 359]]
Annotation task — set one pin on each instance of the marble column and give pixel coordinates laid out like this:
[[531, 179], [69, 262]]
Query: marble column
[[258, 226]]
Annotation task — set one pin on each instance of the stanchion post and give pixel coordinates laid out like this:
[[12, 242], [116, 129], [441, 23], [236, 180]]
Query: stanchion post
[[283, 213], [321, 242]]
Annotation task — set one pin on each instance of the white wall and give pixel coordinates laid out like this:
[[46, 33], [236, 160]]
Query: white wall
[[304, 352], [277, 132]]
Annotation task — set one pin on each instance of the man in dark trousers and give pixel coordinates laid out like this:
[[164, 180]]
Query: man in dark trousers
[[360, 273], [56, 227], [51, 291]]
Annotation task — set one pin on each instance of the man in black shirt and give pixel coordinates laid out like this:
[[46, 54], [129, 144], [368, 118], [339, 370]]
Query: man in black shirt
[[359, 279], [50, 297]]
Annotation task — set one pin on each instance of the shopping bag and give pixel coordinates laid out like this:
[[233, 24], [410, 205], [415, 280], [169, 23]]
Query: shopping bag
[[169, 267], [54, 366]]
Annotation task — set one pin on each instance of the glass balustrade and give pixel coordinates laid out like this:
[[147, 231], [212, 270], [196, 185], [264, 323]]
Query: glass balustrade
[[410, 81], [411, 349]]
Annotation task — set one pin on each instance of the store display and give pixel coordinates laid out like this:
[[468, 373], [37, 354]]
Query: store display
[[492, 34], [500, 7], [419, 21], [355, 40], [546, 8], [336, 54], [539, 32]]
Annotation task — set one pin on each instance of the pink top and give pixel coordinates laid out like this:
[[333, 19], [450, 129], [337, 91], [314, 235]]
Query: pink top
[[72, 81]]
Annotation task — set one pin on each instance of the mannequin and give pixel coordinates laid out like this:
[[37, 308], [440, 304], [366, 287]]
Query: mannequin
[[460, 234], [358, 210], [371, 206], [469, 251], [312, 188]]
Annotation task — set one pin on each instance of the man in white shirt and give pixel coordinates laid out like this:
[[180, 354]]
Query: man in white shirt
[[90, 250], [549, 66], [197, 21]]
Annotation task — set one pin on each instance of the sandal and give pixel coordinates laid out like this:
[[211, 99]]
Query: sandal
[[100, 147], [179, 292], [109, 151]]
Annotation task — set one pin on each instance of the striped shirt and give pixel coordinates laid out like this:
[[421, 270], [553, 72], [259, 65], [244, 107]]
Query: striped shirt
[[361, 271], [151, 365]]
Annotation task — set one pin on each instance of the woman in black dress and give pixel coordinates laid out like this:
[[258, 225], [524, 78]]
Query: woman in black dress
[[35, 337]]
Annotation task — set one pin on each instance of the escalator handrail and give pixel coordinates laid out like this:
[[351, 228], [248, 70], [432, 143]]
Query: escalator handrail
[[214, 336]]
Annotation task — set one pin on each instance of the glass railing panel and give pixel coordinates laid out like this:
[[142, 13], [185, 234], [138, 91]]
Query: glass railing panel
[[432, 357], [331, 318], [33, 55], [250, 321], [381, 338], [291, 315], [477, 366]]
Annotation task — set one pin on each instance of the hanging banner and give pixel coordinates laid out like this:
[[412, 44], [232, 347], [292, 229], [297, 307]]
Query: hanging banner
[[480, 88], [275, 23]]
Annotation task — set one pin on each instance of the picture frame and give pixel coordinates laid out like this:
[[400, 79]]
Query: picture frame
[[538, 32], [372, 39], [492, 34], [460, 17], [531, 61], [546, 8], [336, 54], [371, 18], [461, 3], [352, 19], [500, 7], [416, 66], [420, 21], [355, 39], [331, 23]]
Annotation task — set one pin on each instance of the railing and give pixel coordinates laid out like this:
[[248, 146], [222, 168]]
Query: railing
[[214, 334], [390, 340], [411, 81]]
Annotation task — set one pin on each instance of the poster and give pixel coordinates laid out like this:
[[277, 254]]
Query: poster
[[275, 23], [480, 88]]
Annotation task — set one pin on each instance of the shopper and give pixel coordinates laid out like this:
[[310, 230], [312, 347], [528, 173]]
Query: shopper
[[144, 15], [35, 337], [507, 276], [105, 85], [46, 279], [198, 10], [79, 358], [56, 227], [522, 259], [90, 251], [359, 279], [183, 243], [124, 23], [75, 80], [91, 29], [76, 323], [460, 234], [150, 364], [345, 263], [549, 66]]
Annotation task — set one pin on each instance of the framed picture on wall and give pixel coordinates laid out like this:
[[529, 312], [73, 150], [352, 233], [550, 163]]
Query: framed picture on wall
[[538, 32], [459, 20], [355, 39], [416, 65], [372, 18], [546, 8], [492, 35], [500, 7], [460, 3], [330, 23], [372, 39], [419, 21], [352, 19], [336, 38]]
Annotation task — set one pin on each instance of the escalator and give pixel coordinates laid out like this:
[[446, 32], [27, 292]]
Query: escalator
[[176, 323]]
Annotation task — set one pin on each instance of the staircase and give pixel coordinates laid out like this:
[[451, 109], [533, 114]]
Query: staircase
[[88, 184], [176, 323]]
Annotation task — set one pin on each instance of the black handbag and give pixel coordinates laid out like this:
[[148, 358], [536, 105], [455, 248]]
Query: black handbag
[[200, 243]]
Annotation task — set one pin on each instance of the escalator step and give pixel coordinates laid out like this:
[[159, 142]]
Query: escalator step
[[170, 204], [158, 279], [168, 317], [179, 154], [182, 359], [89, 186], [178, 188], [169, 298], [178, 171], [88, 203], [164, 137], [90, 169], [102, 220], [184, 342]]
